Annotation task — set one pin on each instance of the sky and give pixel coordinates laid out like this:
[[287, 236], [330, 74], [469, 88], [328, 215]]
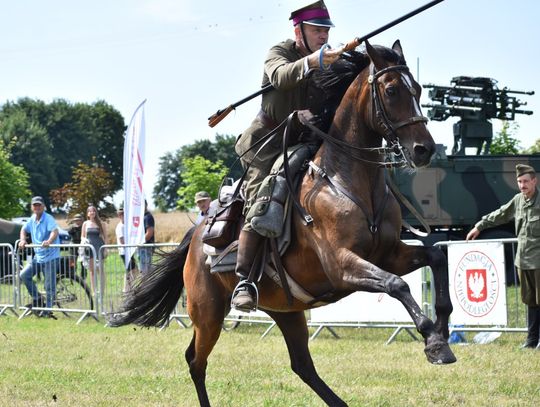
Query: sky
[[190, 58]]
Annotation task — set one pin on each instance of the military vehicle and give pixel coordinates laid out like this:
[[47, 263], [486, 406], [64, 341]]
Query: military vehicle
[[456, 190]]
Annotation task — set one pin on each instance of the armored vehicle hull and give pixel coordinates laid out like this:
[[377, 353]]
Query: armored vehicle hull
[[454, 192]]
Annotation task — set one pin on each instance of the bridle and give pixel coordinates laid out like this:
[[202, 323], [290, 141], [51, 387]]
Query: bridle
[[378, 110]]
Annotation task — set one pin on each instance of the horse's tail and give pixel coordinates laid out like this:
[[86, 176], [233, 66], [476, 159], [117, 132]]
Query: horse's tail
[[154, 297]]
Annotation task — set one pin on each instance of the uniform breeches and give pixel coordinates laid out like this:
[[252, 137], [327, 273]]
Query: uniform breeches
[[530, 286]]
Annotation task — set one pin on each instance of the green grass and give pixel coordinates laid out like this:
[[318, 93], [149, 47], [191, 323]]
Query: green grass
[[90, 365]]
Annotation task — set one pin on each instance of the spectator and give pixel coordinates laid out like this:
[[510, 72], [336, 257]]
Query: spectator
[[202, 200], [524, 209], [131, 271], [44, 231], [75, 230], [94, 233], [145, 253]]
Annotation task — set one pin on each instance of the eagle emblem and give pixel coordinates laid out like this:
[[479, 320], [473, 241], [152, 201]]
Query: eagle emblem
[[476, 285]]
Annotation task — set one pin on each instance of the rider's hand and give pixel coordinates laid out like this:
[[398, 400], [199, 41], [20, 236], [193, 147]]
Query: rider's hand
[[329, 56], [22, 243]]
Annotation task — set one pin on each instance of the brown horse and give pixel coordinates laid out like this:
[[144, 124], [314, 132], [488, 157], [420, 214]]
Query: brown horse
[[352, 245]]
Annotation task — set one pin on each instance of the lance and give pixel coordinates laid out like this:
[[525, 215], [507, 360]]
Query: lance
[[222, 113]]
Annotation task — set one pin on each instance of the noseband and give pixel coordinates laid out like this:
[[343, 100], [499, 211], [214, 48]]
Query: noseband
[[388, 126]]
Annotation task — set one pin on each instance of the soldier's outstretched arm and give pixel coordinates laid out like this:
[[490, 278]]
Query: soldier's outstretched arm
[[473, 234]]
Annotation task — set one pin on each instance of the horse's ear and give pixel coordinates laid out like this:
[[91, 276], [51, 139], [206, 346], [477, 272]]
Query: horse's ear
[[397, 48], [375, 57]]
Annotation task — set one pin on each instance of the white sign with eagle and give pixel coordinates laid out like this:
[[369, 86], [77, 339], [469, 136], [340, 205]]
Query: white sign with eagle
[[477, 283]]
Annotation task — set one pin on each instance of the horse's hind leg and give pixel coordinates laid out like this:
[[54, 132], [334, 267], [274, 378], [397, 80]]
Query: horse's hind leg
[[294, 328], [197, 353]]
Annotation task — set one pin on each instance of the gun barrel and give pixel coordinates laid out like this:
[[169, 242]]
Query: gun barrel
[[517, 92], [527, 112], [460, 87], [453, 107]]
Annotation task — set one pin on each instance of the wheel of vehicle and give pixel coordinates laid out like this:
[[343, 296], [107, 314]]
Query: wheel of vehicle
[[72, 292], [229, 325]]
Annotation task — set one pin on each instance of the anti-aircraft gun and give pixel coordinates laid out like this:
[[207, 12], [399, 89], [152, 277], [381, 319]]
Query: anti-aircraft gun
[[456, 190], [475, 100]]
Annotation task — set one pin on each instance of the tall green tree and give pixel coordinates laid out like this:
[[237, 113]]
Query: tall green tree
[[171, 167], [32, 149], [14, 191], [200, 175], [58, 135], [504, 142]]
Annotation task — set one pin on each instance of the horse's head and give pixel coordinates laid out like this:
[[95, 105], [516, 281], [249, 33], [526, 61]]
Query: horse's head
[[395, 108]]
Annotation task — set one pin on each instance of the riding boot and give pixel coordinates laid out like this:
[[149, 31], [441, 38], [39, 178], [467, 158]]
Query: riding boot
[[533, 327], [245, 294]]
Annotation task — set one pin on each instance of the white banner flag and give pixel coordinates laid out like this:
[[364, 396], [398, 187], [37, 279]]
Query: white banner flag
[[133, 183]]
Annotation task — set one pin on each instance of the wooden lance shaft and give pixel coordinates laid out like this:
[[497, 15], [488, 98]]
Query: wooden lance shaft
[[222, 113]]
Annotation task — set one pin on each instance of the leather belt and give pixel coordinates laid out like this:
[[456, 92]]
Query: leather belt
[[266, 120]]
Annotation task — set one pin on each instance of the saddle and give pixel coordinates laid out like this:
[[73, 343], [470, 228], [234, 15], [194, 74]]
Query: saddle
[[272, 217]]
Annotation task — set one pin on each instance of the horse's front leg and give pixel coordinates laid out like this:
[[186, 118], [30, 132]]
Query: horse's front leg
[[294, 328], [360, 275], [409, 258]]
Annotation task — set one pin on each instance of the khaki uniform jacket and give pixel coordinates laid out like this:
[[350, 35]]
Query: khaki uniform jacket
[[526, 215], [294, 90], [284, 69]]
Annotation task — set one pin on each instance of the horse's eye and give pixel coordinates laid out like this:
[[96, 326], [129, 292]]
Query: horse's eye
[[390, 91]]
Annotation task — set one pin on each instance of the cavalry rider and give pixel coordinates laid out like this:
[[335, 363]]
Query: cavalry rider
[[288, 67]]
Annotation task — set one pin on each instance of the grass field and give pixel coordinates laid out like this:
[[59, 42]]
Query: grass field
[[46, 362]]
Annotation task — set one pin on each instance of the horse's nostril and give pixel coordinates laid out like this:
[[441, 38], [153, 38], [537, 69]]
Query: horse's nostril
[[420, 150]]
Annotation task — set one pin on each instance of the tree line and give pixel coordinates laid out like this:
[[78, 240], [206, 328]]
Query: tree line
[[72, 155], [49, 140]]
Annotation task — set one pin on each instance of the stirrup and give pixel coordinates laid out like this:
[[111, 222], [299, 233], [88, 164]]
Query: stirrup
[[250, 287]]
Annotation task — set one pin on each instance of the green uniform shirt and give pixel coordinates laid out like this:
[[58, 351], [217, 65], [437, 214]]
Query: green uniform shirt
[[526, 215], [293, 90]]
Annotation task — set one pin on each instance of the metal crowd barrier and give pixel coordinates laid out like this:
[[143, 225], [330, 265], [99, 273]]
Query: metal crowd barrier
[[117, 280], [8, 294], [75, 291], [111, 280]]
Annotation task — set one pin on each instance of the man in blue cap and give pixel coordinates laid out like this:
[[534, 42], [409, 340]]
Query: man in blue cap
[[44, 232], [288, 67]]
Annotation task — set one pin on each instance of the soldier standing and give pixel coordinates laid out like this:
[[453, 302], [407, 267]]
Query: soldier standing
[[524, 208]]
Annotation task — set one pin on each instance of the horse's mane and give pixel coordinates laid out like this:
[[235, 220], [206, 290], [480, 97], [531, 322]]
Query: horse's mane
[[336, 80]]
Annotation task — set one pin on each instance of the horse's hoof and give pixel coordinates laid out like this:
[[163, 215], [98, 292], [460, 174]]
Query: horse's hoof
[[439, 353]]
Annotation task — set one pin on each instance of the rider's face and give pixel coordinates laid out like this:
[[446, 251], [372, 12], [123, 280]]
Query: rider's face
[[315, 36]]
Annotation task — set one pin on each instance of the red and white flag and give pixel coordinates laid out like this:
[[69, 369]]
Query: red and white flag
[[133, 183]]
